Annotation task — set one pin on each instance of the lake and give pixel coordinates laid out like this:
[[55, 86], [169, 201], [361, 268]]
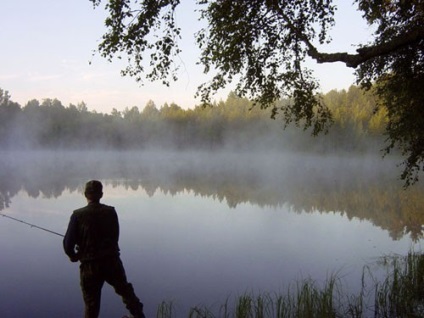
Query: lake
[[200, 228]]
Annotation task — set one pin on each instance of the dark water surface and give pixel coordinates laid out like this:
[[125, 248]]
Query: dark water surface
[[199, 228]]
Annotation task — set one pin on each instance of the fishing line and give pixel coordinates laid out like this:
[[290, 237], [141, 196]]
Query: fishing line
[[32, 225]]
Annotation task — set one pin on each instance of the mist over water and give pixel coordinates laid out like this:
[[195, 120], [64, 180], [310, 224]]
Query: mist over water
[[355, 185], [198, 227]]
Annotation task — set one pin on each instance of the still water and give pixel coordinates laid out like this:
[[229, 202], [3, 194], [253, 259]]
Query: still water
[[198, 229]]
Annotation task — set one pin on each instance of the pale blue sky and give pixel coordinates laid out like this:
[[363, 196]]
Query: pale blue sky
[[47, 46]]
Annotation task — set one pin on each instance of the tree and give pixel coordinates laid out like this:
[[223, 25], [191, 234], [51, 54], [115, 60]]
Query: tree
[[263, 45], [4, 97], [82, 107], [150, 111], [131, 115], [9, 111]]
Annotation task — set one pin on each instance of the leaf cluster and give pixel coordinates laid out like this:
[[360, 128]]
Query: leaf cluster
[[260, 44], [397, 78], [146, 32]]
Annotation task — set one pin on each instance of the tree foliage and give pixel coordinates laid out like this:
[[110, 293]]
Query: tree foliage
[[262, 45], [398, 75]]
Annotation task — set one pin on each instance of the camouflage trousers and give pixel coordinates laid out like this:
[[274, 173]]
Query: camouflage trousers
[[93, 274]]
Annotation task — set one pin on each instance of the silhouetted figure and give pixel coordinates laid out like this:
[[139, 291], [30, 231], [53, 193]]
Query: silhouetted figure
[[92, 238]]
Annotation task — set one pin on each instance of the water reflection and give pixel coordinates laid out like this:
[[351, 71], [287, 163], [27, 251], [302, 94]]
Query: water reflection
[[364, 188]]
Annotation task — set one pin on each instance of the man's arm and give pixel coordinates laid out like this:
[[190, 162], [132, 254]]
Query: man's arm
[[115, 229], [70, 240]]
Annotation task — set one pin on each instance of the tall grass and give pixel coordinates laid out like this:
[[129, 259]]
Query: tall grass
[[165, 310], [399, 294]]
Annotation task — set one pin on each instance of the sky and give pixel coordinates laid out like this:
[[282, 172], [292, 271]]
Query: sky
[[48, 51]]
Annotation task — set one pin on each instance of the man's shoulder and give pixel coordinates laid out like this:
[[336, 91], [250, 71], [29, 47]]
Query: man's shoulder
[[107, 207], [91, 207]]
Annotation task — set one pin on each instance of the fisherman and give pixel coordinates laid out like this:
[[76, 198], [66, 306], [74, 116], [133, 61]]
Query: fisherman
[[92, 238]]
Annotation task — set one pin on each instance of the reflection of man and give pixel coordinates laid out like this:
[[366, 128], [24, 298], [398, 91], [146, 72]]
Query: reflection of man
[[92, 238]]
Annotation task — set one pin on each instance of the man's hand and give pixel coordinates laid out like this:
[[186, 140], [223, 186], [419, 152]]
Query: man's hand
[[74, 258]]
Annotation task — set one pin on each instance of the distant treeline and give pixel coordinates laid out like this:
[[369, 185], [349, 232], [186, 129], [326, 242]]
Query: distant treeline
[[233, 123]]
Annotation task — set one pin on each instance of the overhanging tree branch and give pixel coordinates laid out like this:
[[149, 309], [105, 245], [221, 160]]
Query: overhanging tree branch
[[367, 52]]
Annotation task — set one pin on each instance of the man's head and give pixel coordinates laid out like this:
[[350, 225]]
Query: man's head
[[93, 190]]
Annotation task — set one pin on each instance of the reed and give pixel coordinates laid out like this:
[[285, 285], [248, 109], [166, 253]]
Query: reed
[[399, 294], [165, 310]]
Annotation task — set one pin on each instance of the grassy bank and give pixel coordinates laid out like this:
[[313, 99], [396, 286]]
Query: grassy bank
[[399, 294]]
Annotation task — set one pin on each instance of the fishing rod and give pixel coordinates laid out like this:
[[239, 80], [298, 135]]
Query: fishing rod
[[31, 225]]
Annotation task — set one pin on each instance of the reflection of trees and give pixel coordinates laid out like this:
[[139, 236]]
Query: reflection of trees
[[4, 200], [357, 188]]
